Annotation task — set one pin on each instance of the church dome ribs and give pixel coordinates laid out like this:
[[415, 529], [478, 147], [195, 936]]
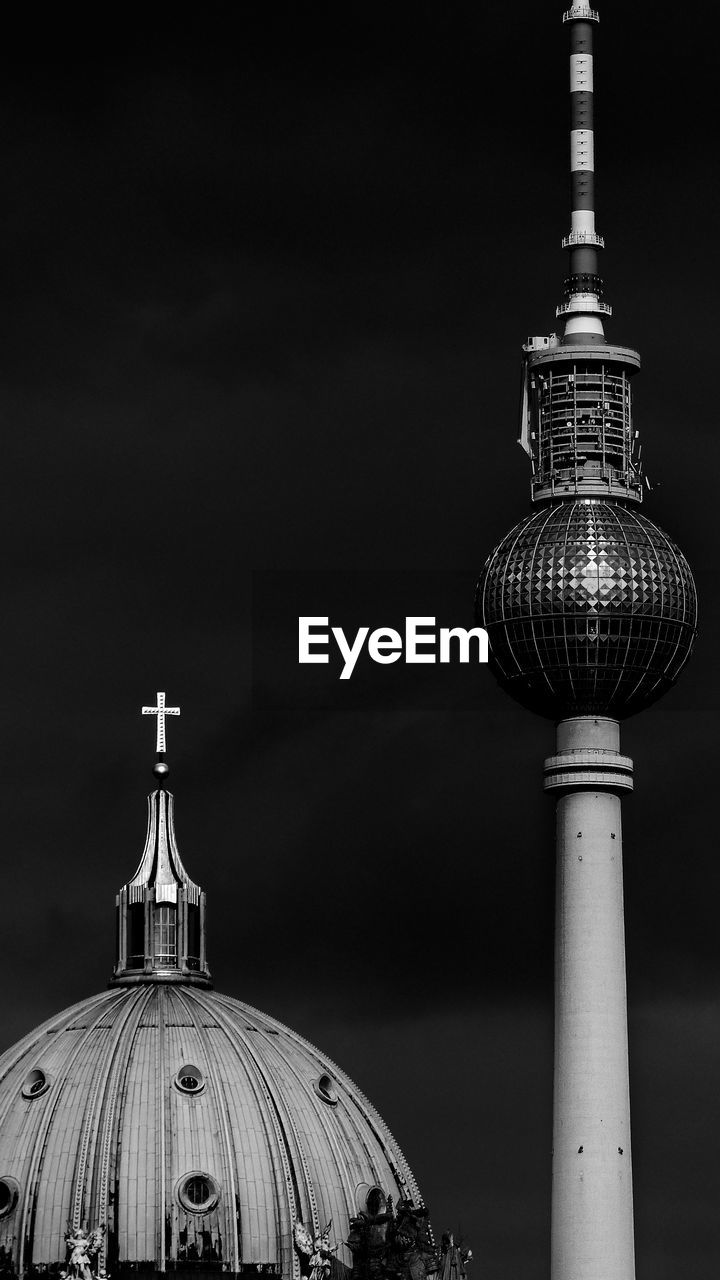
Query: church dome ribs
[[253, 1129]]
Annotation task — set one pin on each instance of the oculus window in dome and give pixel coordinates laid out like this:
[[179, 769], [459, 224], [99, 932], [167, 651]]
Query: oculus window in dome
[[190, 1080], [198, 1193], [35, 1084], [8, 1195]]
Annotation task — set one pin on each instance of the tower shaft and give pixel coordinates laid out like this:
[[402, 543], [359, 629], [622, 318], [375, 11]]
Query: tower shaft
[[592, 1203]]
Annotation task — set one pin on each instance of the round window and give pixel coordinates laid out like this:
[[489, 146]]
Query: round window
[[189, 1079], [198, 1192], [8, 1195], [35, 1083], [324, 1087]]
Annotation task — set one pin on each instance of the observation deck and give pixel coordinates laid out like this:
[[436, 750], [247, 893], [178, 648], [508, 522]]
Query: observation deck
[[577, 421]]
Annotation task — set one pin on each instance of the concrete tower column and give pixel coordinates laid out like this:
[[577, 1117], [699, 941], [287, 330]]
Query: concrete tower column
[[592, 1208]]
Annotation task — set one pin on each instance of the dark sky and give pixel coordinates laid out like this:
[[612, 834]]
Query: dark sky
[[263, 289]]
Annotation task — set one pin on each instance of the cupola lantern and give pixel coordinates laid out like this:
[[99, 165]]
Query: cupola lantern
[[161, 911]]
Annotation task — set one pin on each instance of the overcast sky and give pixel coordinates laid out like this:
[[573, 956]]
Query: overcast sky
[[262, 296]]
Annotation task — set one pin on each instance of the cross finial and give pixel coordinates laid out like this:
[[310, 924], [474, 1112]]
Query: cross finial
[[161, 711]]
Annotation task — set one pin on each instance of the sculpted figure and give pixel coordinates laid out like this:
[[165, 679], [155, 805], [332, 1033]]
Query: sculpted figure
[[317, 1250], [393, 1244], [83, 1247], [413, 1256], [453, 1258], [370, 1239]]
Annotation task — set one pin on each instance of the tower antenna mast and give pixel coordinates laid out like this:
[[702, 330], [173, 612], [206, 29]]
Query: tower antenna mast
[[582, 305]]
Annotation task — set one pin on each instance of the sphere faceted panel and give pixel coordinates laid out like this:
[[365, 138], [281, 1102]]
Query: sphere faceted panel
[[589, 608]]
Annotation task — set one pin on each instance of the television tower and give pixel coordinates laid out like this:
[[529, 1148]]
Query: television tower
[[590, 611]]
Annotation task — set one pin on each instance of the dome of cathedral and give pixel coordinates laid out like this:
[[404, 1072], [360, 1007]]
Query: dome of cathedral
[[160, 1126], [195, 1128], [589, 608]]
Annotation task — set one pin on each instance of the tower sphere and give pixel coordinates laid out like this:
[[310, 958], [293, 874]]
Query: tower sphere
[[590, 609]]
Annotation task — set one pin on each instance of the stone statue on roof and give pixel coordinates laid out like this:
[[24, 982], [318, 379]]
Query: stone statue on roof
[[83, 1248]]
